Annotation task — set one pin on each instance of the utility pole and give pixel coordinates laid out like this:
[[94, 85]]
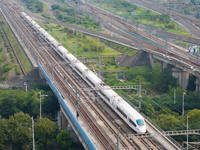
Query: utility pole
[[187, 131], [156, 35], [77, 114], [60, 36], [99, 67], [136, 28], [117, 141], [33, 133], [52, 71], [25, 86], [40, 106], [37, 47], [174, 96], [41, 103], [140, 97], [50, 29], [28, 41], [197, 55], [166, 46], [123, 14], [183, 104], [176, 30], [22, 37], [75, 48], [17, 28]]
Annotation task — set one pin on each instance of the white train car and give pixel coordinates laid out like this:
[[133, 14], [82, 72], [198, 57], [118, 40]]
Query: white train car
[[120, 106]]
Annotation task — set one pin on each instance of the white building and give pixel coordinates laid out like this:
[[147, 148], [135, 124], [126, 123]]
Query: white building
[[193, 48]]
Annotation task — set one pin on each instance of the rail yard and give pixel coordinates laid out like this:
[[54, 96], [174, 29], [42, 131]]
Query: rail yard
[[104, 127], [141, 39]]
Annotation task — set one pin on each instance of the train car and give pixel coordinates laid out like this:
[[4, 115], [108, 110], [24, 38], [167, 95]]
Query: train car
[[120, 106]]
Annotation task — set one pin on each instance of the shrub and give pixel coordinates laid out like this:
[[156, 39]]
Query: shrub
[[6, 67]]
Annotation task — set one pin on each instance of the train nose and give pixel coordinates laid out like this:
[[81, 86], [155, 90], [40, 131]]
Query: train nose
[[142, 130]]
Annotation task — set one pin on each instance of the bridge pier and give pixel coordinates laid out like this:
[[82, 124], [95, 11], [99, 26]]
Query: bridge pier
[[182, 76], [41, 76], [62, 121], [151, 59], [63, 124], [164, 65], [197, 86]]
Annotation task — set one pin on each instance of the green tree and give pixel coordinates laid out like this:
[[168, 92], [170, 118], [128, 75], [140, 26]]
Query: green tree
[[191, 101], [64, 140], [15, 101], [162, 80], [167, 122], [167, 80], [21, 124], [156, 76], [50, 104], [191, 83], [19, 136], [143, 71], [3, 134], [8, 105], [194, 118], [45, 131], [147, 108]]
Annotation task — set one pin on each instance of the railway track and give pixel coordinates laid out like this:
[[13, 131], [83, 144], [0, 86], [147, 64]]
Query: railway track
[[46, 57], [135, 41], [99, 113], [136, 44], [160, 32], [171, 13], [87, 120], [16, 56]]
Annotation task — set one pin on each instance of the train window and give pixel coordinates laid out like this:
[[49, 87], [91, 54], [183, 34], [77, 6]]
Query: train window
[[133, 123], [121, 112], [140, 122], [78, 70], [90, 81]]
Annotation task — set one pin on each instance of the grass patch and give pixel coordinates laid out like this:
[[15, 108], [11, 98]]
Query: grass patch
[[133, 52], [34, 6], [89, 47], [107, 64], [45, 14], [23, 59], [86, 46], [70, 15], [181, 43], [113, 67], [5, 67], [120, 48]]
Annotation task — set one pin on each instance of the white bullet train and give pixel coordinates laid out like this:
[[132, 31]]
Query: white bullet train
[[120, 106]]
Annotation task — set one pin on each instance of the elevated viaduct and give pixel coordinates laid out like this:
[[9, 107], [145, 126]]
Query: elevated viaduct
[[93, 127]]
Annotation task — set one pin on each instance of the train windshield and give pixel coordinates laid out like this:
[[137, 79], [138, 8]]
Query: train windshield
[[140, 122]]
